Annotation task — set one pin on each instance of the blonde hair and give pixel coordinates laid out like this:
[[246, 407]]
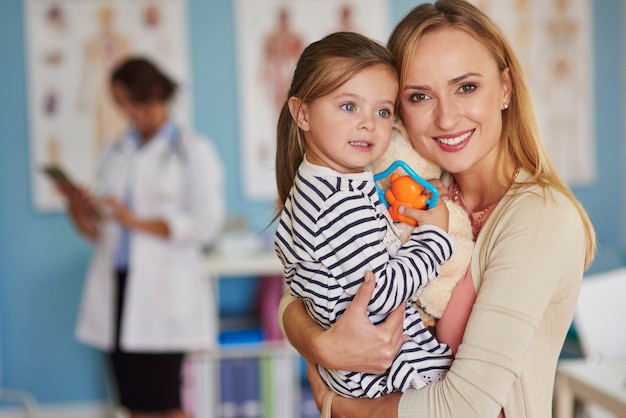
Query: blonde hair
[[520, 136], [323, 67]]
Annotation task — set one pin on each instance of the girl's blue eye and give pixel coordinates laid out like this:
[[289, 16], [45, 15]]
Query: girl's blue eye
[[350, 107], [385, 113]]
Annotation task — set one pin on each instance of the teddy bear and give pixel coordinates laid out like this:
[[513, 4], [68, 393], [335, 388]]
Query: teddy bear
[[433, 298]]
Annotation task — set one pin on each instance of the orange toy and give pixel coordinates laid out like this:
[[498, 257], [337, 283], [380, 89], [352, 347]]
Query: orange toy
[[404, 191]]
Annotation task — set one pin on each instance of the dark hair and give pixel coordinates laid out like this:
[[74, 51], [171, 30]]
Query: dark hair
[[323, 67], [144, 80]]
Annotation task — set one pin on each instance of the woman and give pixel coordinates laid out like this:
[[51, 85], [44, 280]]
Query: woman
[[466, 106], [158, 201]]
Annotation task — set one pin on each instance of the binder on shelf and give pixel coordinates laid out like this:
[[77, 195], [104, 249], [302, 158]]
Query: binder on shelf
[[228, 404], [267, 389], [271, 289], [250, 404], [279, 387]]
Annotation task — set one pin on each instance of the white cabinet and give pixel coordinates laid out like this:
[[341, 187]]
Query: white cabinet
[[278, 373]]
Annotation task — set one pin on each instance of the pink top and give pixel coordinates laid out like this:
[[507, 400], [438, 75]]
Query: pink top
[[451, 326]]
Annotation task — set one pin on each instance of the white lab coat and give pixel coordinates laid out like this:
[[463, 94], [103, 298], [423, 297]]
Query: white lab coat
[[169, 303]]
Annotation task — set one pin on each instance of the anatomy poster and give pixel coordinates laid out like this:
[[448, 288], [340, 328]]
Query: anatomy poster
[[553, 40], [71, 48], [271, 34]]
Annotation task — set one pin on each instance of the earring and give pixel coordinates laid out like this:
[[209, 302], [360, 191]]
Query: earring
[[505, 106]]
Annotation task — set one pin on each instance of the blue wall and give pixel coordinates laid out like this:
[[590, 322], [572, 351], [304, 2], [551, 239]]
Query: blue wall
[[42, 260]]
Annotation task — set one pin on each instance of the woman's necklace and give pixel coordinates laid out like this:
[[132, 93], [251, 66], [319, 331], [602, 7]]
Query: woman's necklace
[[481, 216]]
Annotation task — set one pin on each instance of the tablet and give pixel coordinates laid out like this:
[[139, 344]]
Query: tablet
[[56, 174]]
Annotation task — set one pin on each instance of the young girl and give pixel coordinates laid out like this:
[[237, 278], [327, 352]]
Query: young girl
[[333, 227]]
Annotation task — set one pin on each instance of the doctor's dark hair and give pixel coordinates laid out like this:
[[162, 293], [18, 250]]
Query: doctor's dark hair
[[144, 80], [323, 67]]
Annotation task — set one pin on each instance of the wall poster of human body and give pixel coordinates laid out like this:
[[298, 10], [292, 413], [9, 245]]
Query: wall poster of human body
[[271, 34], [71, 48], [553, 40]]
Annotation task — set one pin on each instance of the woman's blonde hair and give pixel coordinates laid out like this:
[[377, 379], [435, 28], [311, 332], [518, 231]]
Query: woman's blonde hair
[[323, 67], [520, 136]]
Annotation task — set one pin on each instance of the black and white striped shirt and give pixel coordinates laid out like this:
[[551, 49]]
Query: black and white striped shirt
[[332, 230]]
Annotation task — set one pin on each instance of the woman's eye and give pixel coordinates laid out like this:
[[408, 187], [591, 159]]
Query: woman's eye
[[418, 97], [467, 88], [350, 107], [385, 113]]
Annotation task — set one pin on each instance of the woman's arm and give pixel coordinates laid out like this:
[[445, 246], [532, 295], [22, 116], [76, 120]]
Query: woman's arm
[[383, 407], [353, 342]]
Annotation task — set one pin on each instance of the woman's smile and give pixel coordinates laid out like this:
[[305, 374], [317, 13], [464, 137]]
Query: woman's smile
[[454, 142]]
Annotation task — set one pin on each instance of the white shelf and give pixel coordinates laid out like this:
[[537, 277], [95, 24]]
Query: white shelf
[[206, 365], [232, 266], [280, 348]]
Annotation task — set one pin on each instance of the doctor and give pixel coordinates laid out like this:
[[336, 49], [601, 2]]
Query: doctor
[[158, 201]]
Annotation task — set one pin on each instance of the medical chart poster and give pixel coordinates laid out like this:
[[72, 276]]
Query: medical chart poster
[[553, 40], [270, 36], [72, 45]]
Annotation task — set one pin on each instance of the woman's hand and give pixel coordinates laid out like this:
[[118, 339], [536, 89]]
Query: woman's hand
[[354, 343]]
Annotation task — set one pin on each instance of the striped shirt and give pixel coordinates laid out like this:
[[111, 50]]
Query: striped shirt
[[332, 230]]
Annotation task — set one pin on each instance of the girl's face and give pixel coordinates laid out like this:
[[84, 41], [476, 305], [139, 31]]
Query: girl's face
[[452, 101], [146, 118], [350, 127]]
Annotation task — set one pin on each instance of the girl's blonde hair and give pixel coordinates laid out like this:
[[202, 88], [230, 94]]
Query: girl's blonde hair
[[520, 136], [323, 67]]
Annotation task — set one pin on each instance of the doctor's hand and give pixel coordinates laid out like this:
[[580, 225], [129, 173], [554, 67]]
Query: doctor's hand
[[115, 209]]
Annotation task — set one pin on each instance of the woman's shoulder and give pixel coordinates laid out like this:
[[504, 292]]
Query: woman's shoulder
[[539, 206]]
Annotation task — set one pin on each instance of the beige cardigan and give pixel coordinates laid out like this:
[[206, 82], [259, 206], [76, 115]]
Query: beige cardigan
[[527, 268]]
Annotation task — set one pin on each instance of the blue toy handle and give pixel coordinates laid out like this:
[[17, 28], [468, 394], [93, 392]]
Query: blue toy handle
[[401, 164]]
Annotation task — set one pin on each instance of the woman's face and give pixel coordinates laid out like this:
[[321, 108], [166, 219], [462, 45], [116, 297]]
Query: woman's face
[[452, 101], [146, 118]]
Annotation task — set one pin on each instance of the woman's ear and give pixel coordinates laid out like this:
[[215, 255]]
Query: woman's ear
[[298, 112], [507, 86]]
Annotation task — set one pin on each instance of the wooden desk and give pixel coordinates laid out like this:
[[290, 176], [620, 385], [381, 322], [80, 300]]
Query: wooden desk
[[602, 383]]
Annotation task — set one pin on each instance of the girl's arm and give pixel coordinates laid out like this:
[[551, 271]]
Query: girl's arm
[[353, 342]]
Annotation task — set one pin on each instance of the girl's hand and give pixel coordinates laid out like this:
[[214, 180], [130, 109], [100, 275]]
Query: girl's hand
[[438, 216], [354, 343]]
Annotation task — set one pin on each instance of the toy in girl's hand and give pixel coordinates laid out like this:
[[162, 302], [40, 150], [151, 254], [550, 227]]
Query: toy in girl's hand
[[433, 298], [405, 190]]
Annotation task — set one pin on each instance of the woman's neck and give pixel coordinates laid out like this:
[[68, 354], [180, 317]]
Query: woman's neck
[[481, 189]]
